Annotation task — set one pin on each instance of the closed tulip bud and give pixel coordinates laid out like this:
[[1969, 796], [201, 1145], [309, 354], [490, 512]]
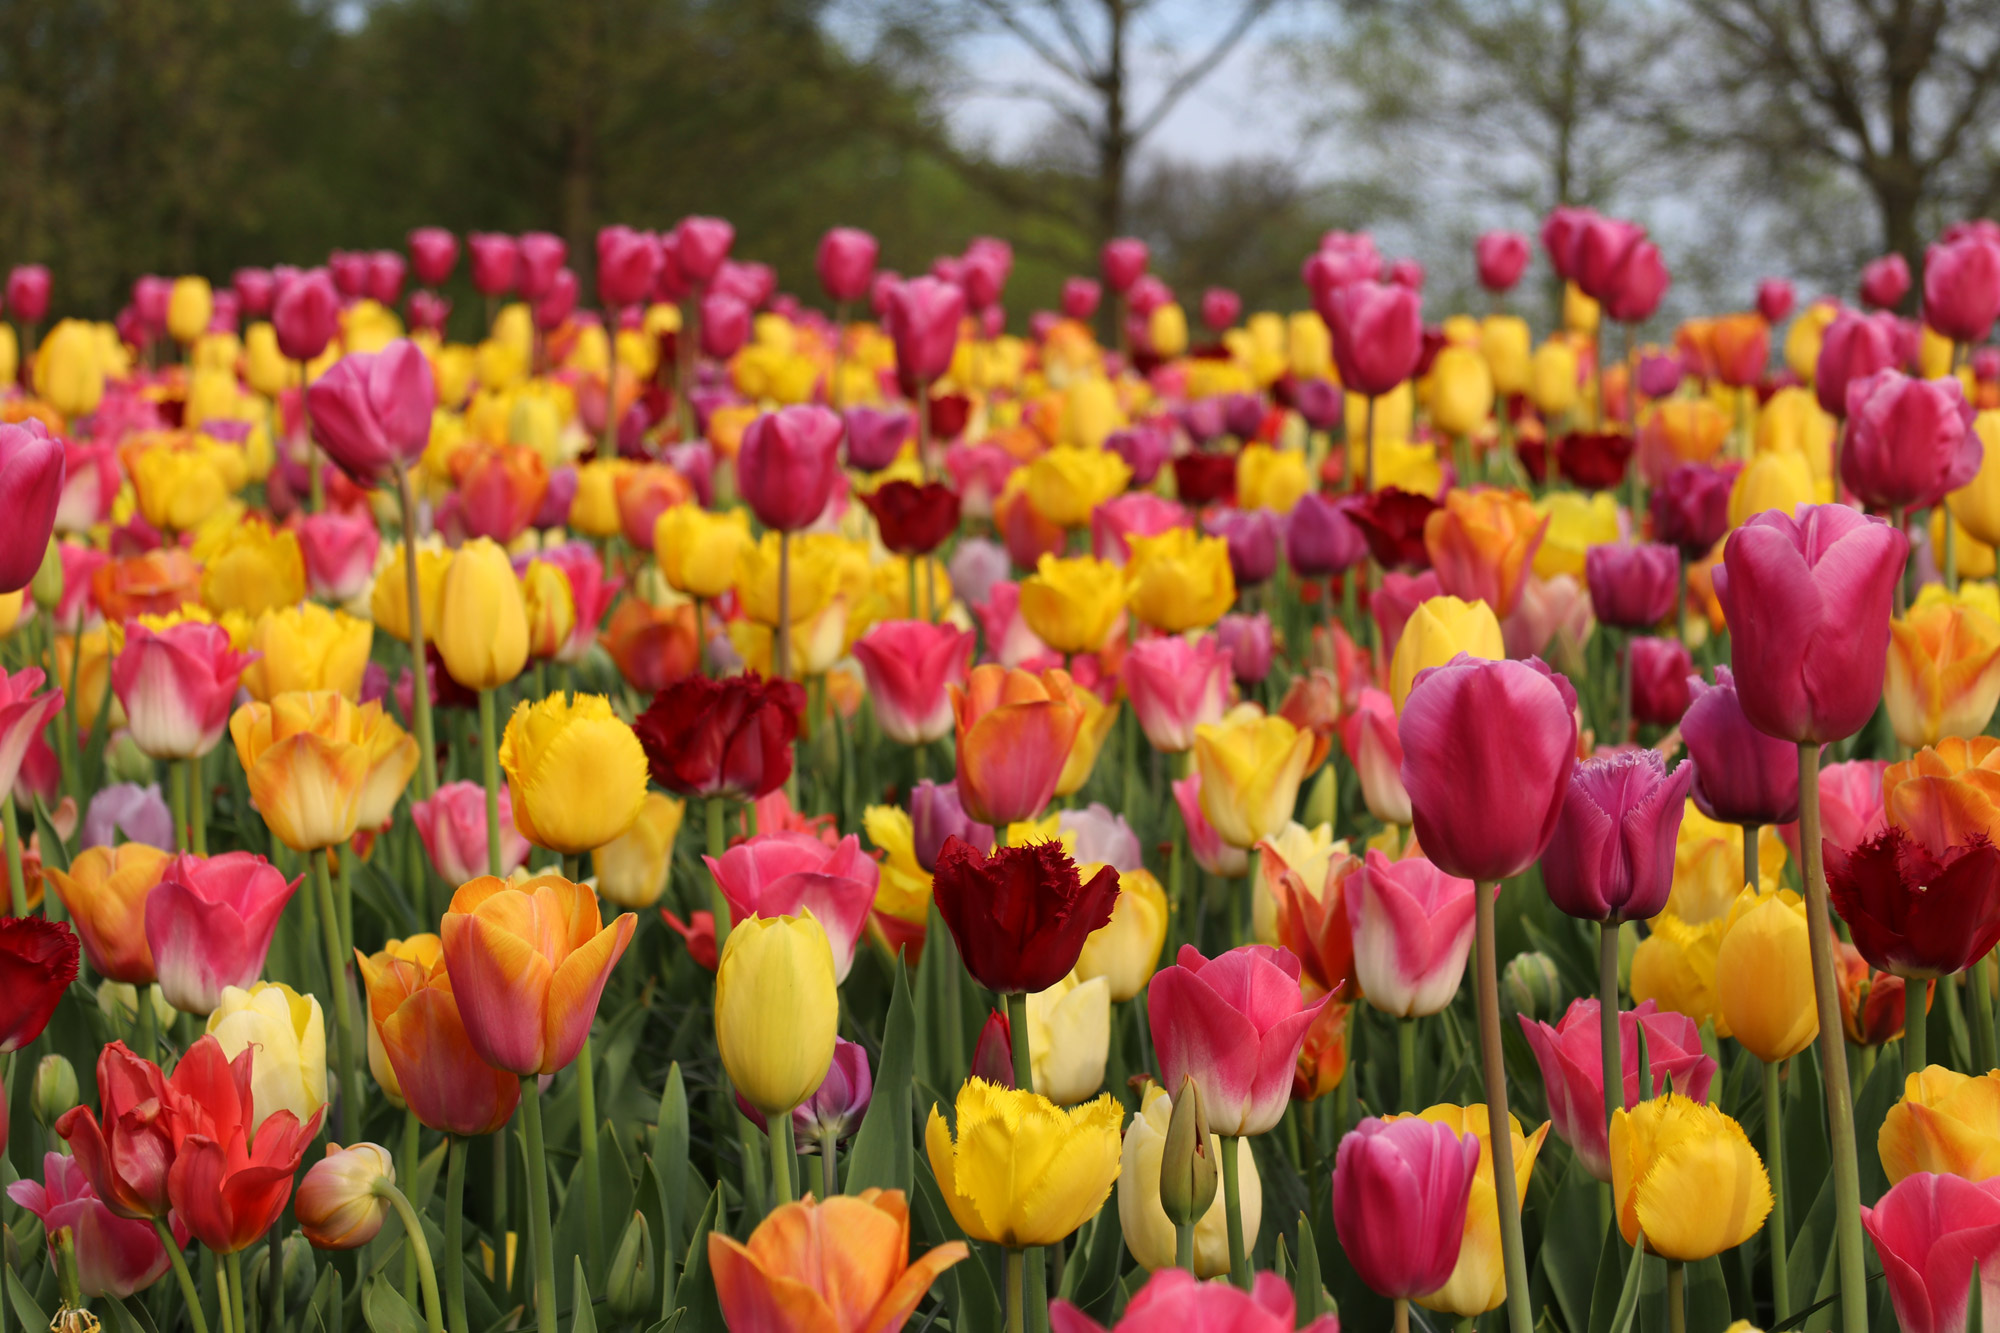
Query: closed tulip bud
[[775, 1006], [1502, 257], [1187, 1164], [1531, 987], [1377, 333], [1885, 281], [1909, 442], [1402, 1190], [1505, 342], [288, 1031], [923, 319], [371, 411], [54, 1090], [788, 464], [188, 309], [629, 1284], [306, 315], [338, 1204]]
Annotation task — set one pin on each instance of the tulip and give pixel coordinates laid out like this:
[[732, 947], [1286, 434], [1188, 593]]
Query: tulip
[[840, 1265], [1174, 1299], [1377, 334], [1022, 1171], [1461, 390], [1853, 348], [1502, 257], [482, 628], [1148, 1232], [1741, 774], [1180, 581], [1482, 545], [1708, 865], [1321, 538], [1976, 505], [252, 568], [1686, 1176], [28, 292], [1021, 916], [788, 464], [31, 487], [1909, 442], [632, 868], [1885, 281], [791, 874], [923, 319], [1068, 1031], [1944, 669], [875, 437], [652, 646], [37, 964], [1374, 745], [1273, 479], [1504, 341], [1764, 976], [338, 1204], [1661, 669], [433, 253], [115, 1256], [576, 771], [1074, 605], [1015, 731], [495, 262], [730, 738], [775, 1008], [1252, 538], [1066, 484], [1412, 930], [1883, 889], [1177, 686], [320, 768], [452, 824], [1400, 1194], [124, 1148], [1611, 857], [209, 924], [1234, 1024], [104, 891], [1962, 288], [1478, 1281], [389, 601], [1568, 1056], [339, 551], [289, 1034], [1249, 642], [1944, 795], [1932, 1232], [1808, 606], [176, 685], [371, 411], [1632, 586], [228, 1186], [589, 591], [1312, 918], [913, 519], [1438, 630], [430, 1062], [306, 315], [1946, 1122], [1250, 767], [1125, 951]]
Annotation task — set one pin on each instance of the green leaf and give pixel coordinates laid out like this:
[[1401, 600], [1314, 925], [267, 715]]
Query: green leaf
[[1099, 1281], [1572, 1240], [647, 1200], [55, 852], [1608, 1289], [1305, 1284], [694, 1295], [385, 1310], [670, 1160], [583, 1319], [25, 1309], [1707, 1293], [1882, 1091], [883, 1156]]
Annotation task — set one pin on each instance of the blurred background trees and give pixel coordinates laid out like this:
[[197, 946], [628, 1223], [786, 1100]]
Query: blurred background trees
[[1754, 136]]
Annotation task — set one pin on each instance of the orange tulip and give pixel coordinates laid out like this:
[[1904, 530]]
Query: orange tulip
[[1944, 670], [105, 892], [499, 489], [1871, 1002], [644, 494], [1482, 543], [1739, 348], [1945, 794], [838, 1266], [1947, 1122], [532, 959], [1681, 430], [155, 583], [654, 646], [1323, 1059], [1015, 732], [321, 768], [418, 1049]]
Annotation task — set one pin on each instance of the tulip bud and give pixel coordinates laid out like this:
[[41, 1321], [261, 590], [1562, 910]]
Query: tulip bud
[[47, 586], [55, 1089], [296, 1269], [630, 1286], [124, 761], [1532, 988], [337, 1204], [1187, 1172]]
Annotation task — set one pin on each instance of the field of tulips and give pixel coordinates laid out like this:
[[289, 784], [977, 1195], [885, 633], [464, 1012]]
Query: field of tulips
[[695, 813]]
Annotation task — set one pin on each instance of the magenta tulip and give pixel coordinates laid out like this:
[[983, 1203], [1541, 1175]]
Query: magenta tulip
[[1252, 536], [923, 320], [1220, 308], [1122, 261], [1691, 508], [452, 824], [725, 325], [306, 315], [1774, 300], [784, 874], [255, 290], [983, 273], [1638, 285], [1247, 638], [936, 814], [1660, 671], [875, 436], [1929, 1232], [1502, 257], [1400, 1190], [1488, 748], [542, 257], [788, 464], [433, 254], [1080, 297], [28, 292], [1885, 281], [908, 665], [349, 269], [386, 270], [23, 714], [1612, 856], [835, 1109], [1962, 288], [115, 1256], [1807, 599], [1632, 585], [1412, 928], [1233, 1023], [701, 244], [209, 924], [1378, 334], [846, 263], [558, 302], [1320, 539], [371, 411], [627, 261], [1909, 441], [496, 262], [178, 686], [1145, 447], [1741, 775], [1175, 1301], [1571, 1057], [1175, 686], [32, 472], [1853, 347], [339, 550], [1598, 251]]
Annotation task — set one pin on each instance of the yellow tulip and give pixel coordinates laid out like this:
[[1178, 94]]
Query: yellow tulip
[[575, 772], [904, 891], [697, 550], [1685, 1175], [632, 868], [1576, 523], [387, 987], [594, 511], [776, 1006], [1167, 330], [253, 569], [1792, 423], [1180, 581], [1781, 481], [1552, 376], [1461, 391], [550, 605], [321, 767], [1023, 1170], [1069, 1038], [1090, 412], [1947, 1122], [1764, 975], [307, 647], [288, 1032], [70, 369], [389, 602], [1395, 418], [1307, 853], [1976, 505], [1250, 767], [1274, 479], [1974, 558], [1308, 345], [1125, 951], [1074, 604], [1438, 630], [1802, 340], [1066, 484], [189, 306], [482, 631], [1708, 866], [1089, 743], [1676, 967], [1504, 340], [264, 366], [180, 486], [815, 577], [1478, 1282], [1580, 312], [1148, 1233], [1944, 669]]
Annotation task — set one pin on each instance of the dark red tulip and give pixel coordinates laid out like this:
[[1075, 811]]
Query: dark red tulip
[[37, 963], [949, 412], [1917, 911], [1502, 257], [1378, 334], [1392, 523], [542, 257], [915, 519], [1080, 297], [1885, 282], [626, 263], [1691, 507], [496, 262], [1220, 308], [1122, 261], [730, 738], [1774, 300], [1594, 460], [703, 244], [433, 254], [306, 315], [28, 292], [1202, 478], [846, 263], [1021, 915], [1660, 671]]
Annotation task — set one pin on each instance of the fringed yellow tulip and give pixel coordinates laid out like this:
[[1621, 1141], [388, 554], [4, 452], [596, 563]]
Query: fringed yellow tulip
[[1023, 1171], [1685, 1175], [575, 772]]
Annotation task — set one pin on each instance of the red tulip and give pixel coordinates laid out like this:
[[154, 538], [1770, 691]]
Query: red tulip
[[1660, 671], [1559, 234], [730, 738], [542, 257], [626, 263], [923, 320], [788, 464], [1020, 916], [127, 1153], [915, 519], [496, 262], [1691, 508], [371, 411], [1233, 1023], [1774, 300], [1502, 257], [846, 263], [1638, 285], [1916, 911], [1885, 281], [1392, 522], [1122, 261], [556, 305], [1594, 460], [232, 1174], [1400, 1190], [698, 934], [701, 244], [1853, 348], [910, 666], [1220, 308], [37, 963], [1930, 1232], [1203, 478], [31, 489], [433, 253], [1377, 334], [1631, 585], [1080, 297], [28, 292], [306, 315]]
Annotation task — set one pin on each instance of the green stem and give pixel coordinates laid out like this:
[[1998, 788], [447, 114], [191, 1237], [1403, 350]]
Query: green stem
[[1916, 1026], [197, 806], [593, 1189], [1184, 1246], [235, 1266], [718, 843], [420, 683], [829, 1165], [1017, 1291], [1232, 1209], [454, 1235], [1983, 1056], [1625, 686], [411, 1163], [343, 1014], [414, 1227], [489, 768], [1774, 1164], [1493, 1061], [1406, 1064], [316, 487], [149, 1024], [542, 1234], [17, 884], [189, 1295], [274, 1283], [1402, 1317], [497, 1228], [1852, 1265], [1037, 1281], [1677, 1319], [778, 1134]]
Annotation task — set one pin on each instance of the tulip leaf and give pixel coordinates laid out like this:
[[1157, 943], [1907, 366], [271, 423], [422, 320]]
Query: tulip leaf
[[385, 1310], [647, 1200], [55, 852], [584, 1318], [1572, 1237], [883, 1156], [971, 1298], [1812, 1246], [25, 1309], [1305, 1284], [1882, 1091], [1707, 1293], [1099, 1283], [1975, 1305], [327, 1299], [1608, 1287], [1807, 1157], [670, 1159], [694, 1294]]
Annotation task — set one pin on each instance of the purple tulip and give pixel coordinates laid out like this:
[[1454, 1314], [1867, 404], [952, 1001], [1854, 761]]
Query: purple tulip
[[1631, 586], [1248, 639], [1612, 856], [835, 1109], [936, 814], [1741, 775], [127, 812], [1252, 535], [1691, 507], [1320, 539], [875, 436]]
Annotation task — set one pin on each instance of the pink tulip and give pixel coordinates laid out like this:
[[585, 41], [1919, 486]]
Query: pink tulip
[[1407, 273], [558, 303], [589, 590], [1612, 855], [1397, 600], [1632, 585], [1962, 287], [1639, 285], [1412, 928], [1885, 281], [150, 297], [983, 273], [1220, 308], [115, 1256], [836, 1109], [1660, 671], [725, 325], [23, 714], [1234, 1023], [1176, 686], [701, 244], [1247, 637], [908, 664], [79, 564], [371, 411], [1502, 257], [386, 270], [28, 292], [1116, 521], [350, 272], [1400, 1191], [339, 551], [1320, 539], [1854, 347], [542, 257], [1122, 261], [178, 686], [1572, 1061], [846, 263], [1175, 1301], [1851, 810], [875, 436], [923, 320], [433, 253], [788, 465], [452, 824], [1009, 641], [1807, 598], [1210, 852], [1544, 607], [626, 263], [1909, 441], [255, 290], [209, 924], [1741, 775], [1080, 297], [496, 262], [306, 315], [1340, 260], [1487, 752], [1559, 234], [783, 874], [1929, 1231], [1774, 300], [937, 814], [1378, 334], [31, 488], [1369, 734]]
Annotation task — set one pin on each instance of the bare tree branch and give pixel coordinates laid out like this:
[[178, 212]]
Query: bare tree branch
[[1185, 82]]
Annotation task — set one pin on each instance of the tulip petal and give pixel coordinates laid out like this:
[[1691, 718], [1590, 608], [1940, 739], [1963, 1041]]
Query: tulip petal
[[753, 1298], [574, 989], [502, 986]]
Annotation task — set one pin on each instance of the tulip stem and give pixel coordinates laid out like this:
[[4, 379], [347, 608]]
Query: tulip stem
[[718, 843], [1506, 1191], [1774, 1166], [236, 1311], [343, 1016], [17, 884], [1899, 519], [1916, 1024], [1610, 1040], [189, 1294], [1982, 1013], [1232, 1211], [593, 1189], [489, 766], [198, 804], [316, 486], [1037, 1281], [781, 634], [1402, 1316], [420, 681], [1184, 1246], [1017, 1291], [829, 1165], [1833, 1054], [1677, 1319], [433, 1308], [454, 1234], [410, 1165], [1406, 1064], [778, 1134], [1624, 732], [538, 1205], [148, 1019]]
